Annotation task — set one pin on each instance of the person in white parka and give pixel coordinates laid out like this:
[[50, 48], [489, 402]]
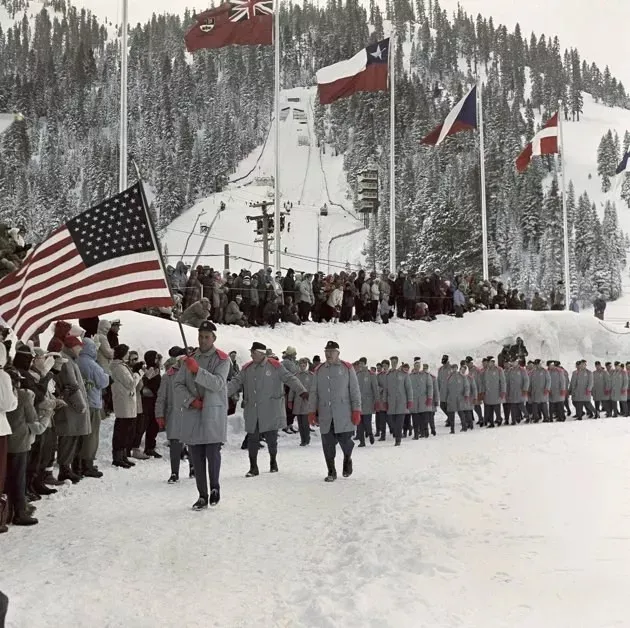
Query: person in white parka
[[8, 403]]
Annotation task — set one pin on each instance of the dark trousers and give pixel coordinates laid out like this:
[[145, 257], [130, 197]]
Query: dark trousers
[[515, 413], [580, 406], [556, 409], [431, 421], [567, 407], [136, 431], [396, 422], [4, 607], [479, 414], [253, 441], [289, 411], [49, 448], [490, 411], [33, 466], [67, 448], [538, 409], [4, 448], [88, 445], [210, 454], [407, 425], [15, 483], [304, 308], [330, 440], [365, 427], [410, 308], [373, 310], [175, 453], [417, 421], [470, 419], [381, 423], [305, 430], [152, 428], [122, 438]]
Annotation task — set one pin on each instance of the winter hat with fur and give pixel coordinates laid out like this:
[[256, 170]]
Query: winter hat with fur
[[60, 330], [72, 341]]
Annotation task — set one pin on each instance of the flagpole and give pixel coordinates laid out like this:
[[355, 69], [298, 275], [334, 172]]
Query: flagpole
[[122, 173], [482, 170], [157, 245], [392, 154], [276, 40], [565, 216]]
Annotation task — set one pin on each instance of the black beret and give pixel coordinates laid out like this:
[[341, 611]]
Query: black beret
[[258, 346], [331, 344], [208, 326]]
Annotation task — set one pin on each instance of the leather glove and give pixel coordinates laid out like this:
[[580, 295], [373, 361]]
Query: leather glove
[[161, 422], [312, 418], [429, 402], [197, 404], [304, 395], [356, 417], [192, 365]]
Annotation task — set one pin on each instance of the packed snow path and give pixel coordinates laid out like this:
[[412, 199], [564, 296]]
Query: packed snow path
[[517, 526]]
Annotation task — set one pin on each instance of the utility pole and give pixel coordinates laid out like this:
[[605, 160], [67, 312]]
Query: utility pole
[[265, 227], [226, 258]]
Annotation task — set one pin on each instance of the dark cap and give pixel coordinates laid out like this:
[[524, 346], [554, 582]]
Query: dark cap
[[393, 357], [175, 352], [468, 359], [463, 363], [363, 360], [316, 359], [258, 346], [208, 326], [416, 359], [537, 361], [331, 344]]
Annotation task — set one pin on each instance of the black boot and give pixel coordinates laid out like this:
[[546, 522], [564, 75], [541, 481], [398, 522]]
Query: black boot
[[90, 471], [66, 473], [253, 468], [200, 504], [371, 439], [215, 496], [22, 518], [40, 488], [332, 472], [118, 459], [126, 460], [50, 480], [273, 465], [347, 466], [173, 479]]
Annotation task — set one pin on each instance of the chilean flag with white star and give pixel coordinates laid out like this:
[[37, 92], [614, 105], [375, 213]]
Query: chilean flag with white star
[[367, 71]]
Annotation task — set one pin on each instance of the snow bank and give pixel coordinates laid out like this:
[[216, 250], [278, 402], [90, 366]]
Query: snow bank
[[548, 335]]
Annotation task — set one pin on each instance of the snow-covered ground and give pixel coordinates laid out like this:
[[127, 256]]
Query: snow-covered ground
[[308, 180], [519, 527]]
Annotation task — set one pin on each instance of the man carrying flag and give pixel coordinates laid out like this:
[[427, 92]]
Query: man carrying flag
[[238, 22], [367, 71], [545, 142], [463, 117]]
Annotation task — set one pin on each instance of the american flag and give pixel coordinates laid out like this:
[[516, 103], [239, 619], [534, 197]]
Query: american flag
[[102, 261], [247, 9]]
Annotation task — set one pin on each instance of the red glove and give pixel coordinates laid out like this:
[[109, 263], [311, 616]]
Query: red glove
[[409, 405], [356, 417], [197, 404], [290, 405], [481, 396], [607, 392], [312, 418], [429, 401], [525, 393], [546, 392], [192, 365], [503, 397], [384, 407], [161, 422], [377, 406], [588, 393]]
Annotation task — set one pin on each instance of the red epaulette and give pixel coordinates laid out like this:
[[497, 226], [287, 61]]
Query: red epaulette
[[317, 368], [222, 355], [247, 364], [347, 365], [274, 363]]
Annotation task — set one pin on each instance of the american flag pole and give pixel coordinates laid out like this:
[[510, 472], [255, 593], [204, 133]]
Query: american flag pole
[[158, 246]]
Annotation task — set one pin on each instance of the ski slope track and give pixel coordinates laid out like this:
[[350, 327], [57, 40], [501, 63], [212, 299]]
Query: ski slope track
[[309, 178], [516, 527]]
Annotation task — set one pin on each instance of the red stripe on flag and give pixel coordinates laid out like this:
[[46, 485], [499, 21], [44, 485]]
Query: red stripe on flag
[[83, 300], [549, 145], [110, 273], [372, 79]]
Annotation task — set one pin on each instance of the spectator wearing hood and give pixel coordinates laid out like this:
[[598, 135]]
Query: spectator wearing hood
[[305, 297], [112, 334], [196, 313], [96, 380], [151, 381], [288, 284], [8, 403], [180, 278]]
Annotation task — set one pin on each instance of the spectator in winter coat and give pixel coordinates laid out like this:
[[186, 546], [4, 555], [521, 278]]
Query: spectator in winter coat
[[347, 304], [180, 278], [271, 313], [112, 334], [375, 298], [538, 304], [333, 304], [196, 313], [599, 306], [298, 405], [194, 290], [408, 298], [105, 354], [151, 380], [96, 380], [459, 303], [233, 313], [306, 297], [288, 284], [124, 391], [574, 306], [8, 403]]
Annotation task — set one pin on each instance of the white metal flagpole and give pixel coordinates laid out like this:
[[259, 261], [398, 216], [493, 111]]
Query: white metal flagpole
[[482, 170], [276, 41], [392, 154], [565, 216], [122, 174]]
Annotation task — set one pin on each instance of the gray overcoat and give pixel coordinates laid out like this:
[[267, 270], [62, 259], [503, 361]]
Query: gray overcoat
[[618, 385], [74, 418], [209, 425], [300, 406], [493, 385], [581, 385], [368, 385], [517, 381], [422, 387], [167, 406], [558, 387], [539, 385], [601, 385], [398, 392]]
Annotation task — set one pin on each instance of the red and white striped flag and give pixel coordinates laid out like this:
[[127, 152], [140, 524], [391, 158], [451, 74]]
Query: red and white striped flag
[[545, 142], [103, 260]]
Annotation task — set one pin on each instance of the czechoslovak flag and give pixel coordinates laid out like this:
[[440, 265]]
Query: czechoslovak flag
[[367, 71], [463, 117], [545, 142]]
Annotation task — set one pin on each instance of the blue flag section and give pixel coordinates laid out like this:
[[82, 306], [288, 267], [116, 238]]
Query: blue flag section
[[463, 117], [623, 166]]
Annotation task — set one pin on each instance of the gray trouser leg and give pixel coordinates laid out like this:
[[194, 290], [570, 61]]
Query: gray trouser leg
[[198, 455], [89, 443], [175, 453], [67, 448], [213, 454]]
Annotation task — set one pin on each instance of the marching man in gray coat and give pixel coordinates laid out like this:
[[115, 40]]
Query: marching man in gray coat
[[493, 392], [398, 398], [335, 400], [422, 387], [298, 405], [601, 389], [262, 381], [580, 389], [201, 385], [539, 389], [370, 397]]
